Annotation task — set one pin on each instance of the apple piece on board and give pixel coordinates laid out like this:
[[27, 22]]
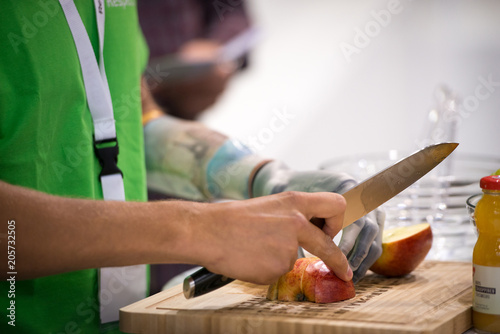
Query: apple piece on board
[[290, 284], [403, 249], [310, 279], [321, 285]]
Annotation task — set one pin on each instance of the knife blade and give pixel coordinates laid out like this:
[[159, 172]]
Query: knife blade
[[361, 200], [381, 187]]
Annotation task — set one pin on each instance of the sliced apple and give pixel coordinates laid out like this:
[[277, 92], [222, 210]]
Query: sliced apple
[[311, 280], [403, 249], [288, 287], [321, 285]]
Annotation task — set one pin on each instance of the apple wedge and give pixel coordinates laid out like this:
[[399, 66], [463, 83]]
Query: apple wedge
[[289, 286], [403, 249], [311, 280]]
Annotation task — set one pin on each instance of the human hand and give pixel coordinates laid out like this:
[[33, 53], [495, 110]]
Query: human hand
[[256, 240], [361, 241], [188, 98]]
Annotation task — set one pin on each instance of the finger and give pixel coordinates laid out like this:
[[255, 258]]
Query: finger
[[321, 204], [373, 255], [320, 244], [325, 205], [349, 236], [364, 242]]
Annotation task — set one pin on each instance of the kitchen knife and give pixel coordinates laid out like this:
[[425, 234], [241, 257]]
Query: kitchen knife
[[362, 199]]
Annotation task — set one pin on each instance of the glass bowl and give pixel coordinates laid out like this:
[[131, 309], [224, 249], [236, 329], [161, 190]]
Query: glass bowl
[[438, 198], [471, 207]]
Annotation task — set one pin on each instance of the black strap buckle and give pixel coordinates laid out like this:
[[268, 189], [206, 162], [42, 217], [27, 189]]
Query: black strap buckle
[[107, 152]]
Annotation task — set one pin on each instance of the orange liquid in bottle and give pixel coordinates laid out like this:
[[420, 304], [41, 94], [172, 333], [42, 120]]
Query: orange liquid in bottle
[[486, 261]]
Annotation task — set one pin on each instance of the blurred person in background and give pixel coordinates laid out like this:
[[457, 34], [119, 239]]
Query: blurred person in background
[[192, 31]]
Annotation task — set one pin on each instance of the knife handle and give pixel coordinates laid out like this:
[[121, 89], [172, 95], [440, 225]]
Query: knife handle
[[202, 282]]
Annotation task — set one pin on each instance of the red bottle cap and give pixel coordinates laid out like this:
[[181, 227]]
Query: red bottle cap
[[491, 182]]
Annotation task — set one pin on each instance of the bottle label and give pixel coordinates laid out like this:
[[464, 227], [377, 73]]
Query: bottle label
[[486, 289]]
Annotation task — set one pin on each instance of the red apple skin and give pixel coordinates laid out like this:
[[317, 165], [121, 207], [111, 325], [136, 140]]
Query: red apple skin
[[401, 257], [321, 285], [311, 280]]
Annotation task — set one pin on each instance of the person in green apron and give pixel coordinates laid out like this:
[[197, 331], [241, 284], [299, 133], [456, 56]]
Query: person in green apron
[[53, 174]]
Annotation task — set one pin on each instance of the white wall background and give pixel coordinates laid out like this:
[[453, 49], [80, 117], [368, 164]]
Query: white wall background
[[376, 102]]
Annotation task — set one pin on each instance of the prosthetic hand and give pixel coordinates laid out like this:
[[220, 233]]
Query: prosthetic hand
[[361, 242]]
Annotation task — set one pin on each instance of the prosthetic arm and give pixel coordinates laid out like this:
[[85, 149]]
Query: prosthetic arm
[[186, 160]]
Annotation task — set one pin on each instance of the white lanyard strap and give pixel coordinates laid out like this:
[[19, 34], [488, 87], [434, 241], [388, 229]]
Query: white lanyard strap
[[99, 10], [98, 96], [114, 291]]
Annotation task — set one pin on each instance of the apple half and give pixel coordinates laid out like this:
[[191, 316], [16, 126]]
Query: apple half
[[403, 249], [311, 280]]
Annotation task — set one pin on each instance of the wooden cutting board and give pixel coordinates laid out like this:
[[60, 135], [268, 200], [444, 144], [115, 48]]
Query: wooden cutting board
[[435, 298]]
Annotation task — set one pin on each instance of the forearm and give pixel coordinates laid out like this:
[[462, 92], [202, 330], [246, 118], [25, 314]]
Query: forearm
[[186, 159], [56, 234]]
